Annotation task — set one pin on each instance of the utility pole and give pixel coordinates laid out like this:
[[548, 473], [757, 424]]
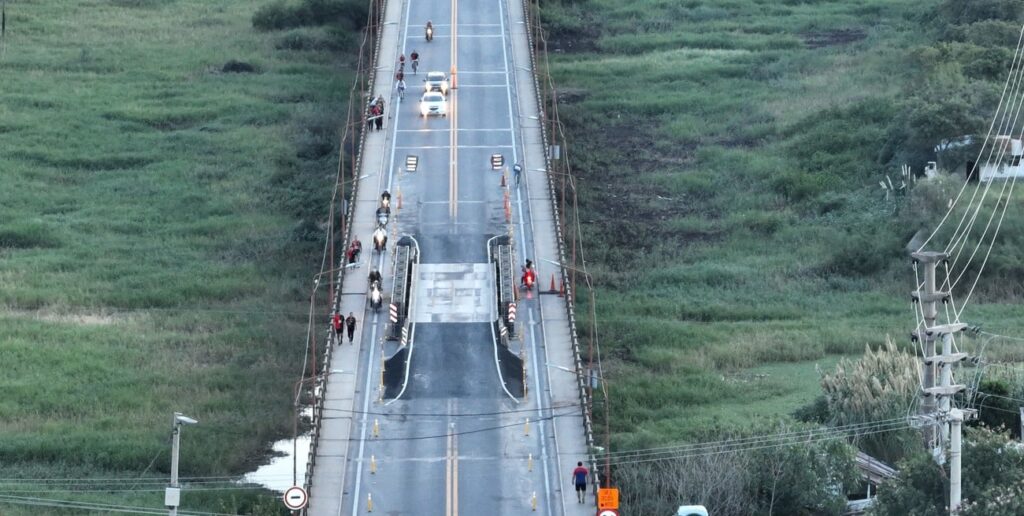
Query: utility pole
[[943, 412], [928, 298]]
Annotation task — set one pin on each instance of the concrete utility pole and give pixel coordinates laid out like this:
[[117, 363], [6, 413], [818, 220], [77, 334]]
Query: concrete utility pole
[[928, 298], [951, 418]]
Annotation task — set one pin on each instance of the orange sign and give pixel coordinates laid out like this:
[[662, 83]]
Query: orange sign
[[608, 498]]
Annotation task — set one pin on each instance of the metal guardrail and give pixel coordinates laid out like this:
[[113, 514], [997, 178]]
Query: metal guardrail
[[405, 255], [321, 384], [570, 294]]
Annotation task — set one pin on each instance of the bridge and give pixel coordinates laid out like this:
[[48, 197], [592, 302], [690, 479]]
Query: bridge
[[465, 392]]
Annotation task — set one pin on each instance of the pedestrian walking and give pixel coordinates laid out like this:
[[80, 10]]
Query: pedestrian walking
[[579, 479], [370, 113], [380, 118], [518, 171], [350, 324], [337, 326]]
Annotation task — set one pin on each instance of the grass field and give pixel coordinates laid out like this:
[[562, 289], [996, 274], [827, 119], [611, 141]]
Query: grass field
[[159, 222], [728, 156]]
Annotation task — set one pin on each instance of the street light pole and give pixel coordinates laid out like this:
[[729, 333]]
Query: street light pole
[[172, 495]]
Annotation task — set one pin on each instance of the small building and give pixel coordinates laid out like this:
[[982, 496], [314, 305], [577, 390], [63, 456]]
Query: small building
[[1005, 162], [873, 473]]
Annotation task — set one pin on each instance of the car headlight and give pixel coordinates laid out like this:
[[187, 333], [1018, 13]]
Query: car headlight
[[424, 109]]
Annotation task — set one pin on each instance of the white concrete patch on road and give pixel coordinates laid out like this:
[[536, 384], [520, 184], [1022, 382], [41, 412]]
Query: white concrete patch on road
[[454, 293]]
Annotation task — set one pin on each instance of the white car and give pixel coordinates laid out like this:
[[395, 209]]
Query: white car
[[433, 103], [436, 81]]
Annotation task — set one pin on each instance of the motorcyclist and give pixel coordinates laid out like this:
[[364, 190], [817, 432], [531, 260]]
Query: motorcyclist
[[430, 30], [375, 276], [415, 57], [529, 275], [385, 199]]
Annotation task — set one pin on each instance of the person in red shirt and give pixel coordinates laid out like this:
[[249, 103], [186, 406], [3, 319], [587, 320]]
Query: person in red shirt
[[337, 324], [579, 479]]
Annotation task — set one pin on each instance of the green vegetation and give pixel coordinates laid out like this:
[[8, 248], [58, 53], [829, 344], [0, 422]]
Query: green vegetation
[[993, 464], [166, 171], [729, 156]]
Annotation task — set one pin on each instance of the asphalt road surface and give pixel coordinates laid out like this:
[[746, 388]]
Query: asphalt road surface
[[454, 442]]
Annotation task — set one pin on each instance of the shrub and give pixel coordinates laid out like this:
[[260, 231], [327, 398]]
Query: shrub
[[282, 15], [877, 387]]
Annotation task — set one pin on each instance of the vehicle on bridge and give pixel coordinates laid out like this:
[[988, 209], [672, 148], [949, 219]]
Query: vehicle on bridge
[[380, 239], [692, 510], [436, 81], [376, 296], [433, 103]]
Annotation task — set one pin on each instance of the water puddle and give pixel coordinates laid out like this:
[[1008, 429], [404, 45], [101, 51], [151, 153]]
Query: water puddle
[[277, 474]]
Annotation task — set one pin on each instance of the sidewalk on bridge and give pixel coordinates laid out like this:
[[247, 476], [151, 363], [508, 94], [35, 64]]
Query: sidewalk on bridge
[[570, 441], [339, 423]]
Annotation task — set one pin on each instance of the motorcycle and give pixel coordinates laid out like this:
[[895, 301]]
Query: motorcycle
[[380, 240], [529, 278], [382, 217], [430, 33], [376, 297]]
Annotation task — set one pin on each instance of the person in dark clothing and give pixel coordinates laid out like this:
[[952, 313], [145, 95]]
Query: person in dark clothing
[[579, 479], [336, 321], [350, 324], [380, 118], [375, 276]]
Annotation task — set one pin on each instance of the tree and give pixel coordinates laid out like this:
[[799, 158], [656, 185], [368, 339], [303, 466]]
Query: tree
[[791, 479], [993, 472]]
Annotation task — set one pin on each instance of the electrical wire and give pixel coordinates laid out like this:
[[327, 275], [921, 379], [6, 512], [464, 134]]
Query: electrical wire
[[93, 506], [798, 435], [988, 135], [704, 453]]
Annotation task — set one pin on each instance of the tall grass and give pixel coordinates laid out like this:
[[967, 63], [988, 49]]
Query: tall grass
[[154, 246], [729, 156]]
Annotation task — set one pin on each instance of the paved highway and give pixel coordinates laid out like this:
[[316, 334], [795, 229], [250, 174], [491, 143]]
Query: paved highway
[[448, 437]]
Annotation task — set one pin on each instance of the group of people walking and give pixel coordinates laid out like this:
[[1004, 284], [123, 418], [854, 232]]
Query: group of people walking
[[375, 113]]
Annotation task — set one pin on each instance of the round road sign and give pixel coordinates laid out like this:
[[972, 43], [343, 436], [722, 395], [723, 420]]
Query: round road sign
[[295, 498], [608, 512]]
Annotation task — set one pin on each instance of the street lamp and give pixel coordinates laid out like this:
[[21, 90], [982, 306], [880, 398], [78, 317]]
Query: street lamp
[[172, 495]]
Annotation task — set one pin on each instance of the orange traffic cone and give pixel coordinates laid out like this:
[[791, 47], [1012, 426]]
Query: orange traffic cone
[[553, 290], [503, 180], [561, 288], [399, 199]]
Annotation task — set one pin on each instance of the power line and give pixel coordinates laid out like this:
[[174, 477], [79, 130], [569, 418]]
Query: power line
[[702, 453], [93, 506], [851, 429]]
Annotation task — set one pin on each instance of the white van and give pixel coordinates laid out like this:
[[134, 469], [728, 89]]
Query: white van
[[692, 510]]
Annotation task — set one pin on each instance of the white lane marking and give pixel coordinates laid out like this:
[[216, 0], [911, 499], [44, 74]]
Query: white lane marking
[[376, 317], [533, 339]]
